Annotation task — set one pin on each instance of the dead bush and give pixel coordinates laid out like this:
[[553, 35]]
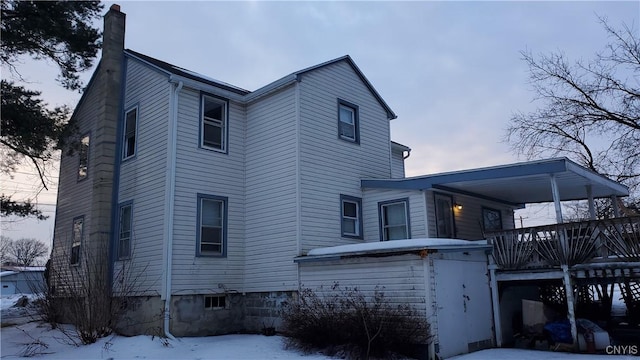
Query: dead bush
[[344, 320]]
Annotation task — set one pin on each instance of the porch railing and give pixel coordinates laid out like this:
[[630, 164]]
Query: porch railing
[[550, 246]]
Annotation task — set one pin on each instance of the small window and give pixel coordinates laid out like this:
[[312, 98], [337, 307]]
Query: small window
[[76, 238], [394, 219], [83, 154], [130, 131], [213, 132], [351, 213], [215, 302], [348, 121], [491, 219], [124, 232], [212, 223]]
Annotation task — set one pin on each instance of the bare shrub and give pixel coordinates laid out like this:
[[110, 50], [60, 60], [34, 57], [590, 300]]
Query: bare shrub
[[87, 297], [345, 320]]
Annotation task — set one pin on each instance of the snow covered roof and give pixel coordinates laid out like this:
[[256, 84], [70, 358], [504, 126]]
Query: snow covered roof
[[394, 246]]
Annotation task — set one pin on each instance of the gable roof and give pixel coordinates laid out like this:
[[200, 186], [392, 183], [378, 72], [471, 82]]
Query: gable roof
[[390, 114], [173, 69], [251, 95], [516, 184]]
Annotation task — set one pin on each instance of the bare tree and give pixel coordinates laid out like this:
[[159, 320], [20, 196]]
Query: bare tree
[[25, 251], [590, 111], [5, 245]]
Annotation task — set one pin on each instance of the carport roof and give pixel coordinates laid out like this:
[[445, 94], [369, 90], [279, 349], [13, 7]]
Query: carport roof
[[516, 184]]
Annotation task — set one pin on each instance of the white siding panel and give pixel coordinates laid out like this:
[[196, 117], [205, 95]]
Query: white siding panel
[[74, 197], [397, 164], [400, 277], [468, 220], [271, 209], [142, 178], [372, 219], [213, 173], [331, 166]]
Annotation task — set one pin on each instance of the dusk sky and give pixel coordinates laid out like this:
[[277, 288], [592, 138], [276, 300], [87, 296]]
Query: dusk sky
[[451, 71]]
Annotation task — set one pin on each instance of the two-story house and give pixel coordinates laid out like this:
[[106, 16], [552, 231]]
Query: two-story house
[[219, 201]]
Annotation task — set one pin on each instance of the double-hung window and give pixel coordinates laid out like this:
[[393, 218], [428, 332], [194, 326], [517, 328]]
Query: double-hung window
[[348, 120], [394, 219], [130, 132], [351, 213], [76, 240], [83, 154], [213, 131], [212, 225], [125, 231]]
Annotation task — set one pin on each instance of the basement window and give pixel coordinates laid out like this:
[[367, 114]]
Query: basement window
[[215, 302]]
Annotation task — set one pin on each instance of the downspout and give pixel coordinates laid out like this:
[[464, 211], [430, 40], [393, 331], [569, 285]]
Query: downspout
[[170, 190]]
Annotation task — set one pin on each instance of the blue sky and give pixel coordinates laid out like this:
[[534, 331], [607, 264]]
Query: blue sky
[[451, 71]]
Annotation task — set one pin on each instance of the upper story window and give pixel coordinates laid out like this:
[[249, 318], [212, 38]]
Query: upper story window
[[213, 127], [76, 240], [348, 121], [394, 219], [130, 132], [445, 221], [125, 231], [212, 225], [83, 154], [351, 213]]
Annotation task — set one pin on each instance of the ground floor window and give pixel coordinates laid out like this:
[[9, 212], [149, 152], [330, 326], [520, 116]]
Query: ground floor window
[[394, 219]]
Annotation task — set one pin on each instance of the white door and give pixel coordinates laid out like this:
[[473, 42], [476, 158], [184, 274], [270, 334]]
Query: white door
[[8, 288], [450, 308], [463, 305]]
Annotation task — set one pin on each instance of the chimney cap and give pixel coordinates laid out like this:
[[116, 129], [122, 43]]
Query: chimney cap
[[115, 7]]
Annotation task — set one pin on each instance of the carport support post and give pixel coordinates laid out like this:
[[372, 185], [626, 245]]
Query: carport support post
[[592, 208], [568, 289], [495, 301]]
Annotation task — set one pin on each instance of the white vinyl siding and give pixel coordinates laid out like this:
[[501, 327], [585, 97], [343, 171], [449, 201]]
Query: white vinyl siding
[[330, 166], [468, 220], [417, 211], [271, 193], [400, 277], [201, 171], [143, 180], [74, 197], [397, 164]]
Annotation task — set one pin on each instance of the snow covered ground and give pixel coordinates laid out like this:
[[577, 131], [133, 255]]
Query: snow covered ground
[[37, 340]]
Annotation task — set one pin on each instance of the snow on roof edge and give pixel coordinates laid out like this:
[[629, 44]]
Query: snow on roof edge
[[398, 245]]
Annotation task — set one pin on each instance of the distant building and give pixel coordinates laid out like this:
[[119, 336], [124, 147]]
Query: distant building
[[22, 280]]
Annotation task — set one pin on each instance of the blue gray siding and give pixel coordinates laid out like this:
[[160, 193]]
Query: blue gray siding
[[271, 192], [330, 166]]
